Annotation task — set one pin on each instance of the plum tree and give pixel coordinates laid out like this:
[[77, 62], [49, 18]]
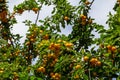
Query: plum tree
[[60, 57]]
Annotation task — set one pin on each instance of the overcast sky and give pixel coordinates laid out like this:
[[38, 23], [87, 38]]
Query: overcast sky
[[99, 11]]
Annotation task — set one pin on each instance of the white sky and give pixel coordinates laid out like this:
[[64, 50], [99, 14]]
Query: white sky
[[99, 11]]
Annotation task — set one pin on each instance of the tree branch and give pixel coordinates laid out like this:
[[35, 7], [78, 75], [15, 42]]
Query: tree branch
[[38, 14], [91, 3]]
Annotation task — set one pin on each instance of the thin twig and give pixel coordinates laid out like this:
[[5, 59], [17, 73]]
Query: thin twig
[[38, 14], [89, 74], [37, 17], [12, 15], [91, 3]]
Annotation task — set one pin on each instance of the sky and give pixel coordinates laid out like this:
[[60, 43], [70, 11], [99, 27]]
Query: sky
[[99, 10]]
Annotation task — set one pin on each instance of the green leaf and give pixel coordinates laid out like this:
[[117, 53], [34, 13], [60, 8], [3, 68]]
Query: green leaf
[[39, 79], [41, 21], [32, 77]]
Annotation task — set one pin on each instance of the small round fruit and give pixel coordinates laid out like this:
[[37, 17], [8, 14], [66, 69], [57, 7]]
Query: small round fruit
[[98, 63], [57, 46], [35, 10], [68, 45], [41, 31], [78, 66], [44, 56], [76, 77], [32, 40], [59, 40], [83, 17], [53, 77], [87, 2], [51, 74], [46, 37], [41, 69], [1, 71], [118, 1], [66, 18], [113, 48], [93, 61], [109, 47], [85, 58], [56, 74]]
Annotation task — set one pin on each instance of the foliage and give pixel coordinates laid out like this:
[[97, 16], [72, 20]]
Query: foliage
[[60, 57]]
